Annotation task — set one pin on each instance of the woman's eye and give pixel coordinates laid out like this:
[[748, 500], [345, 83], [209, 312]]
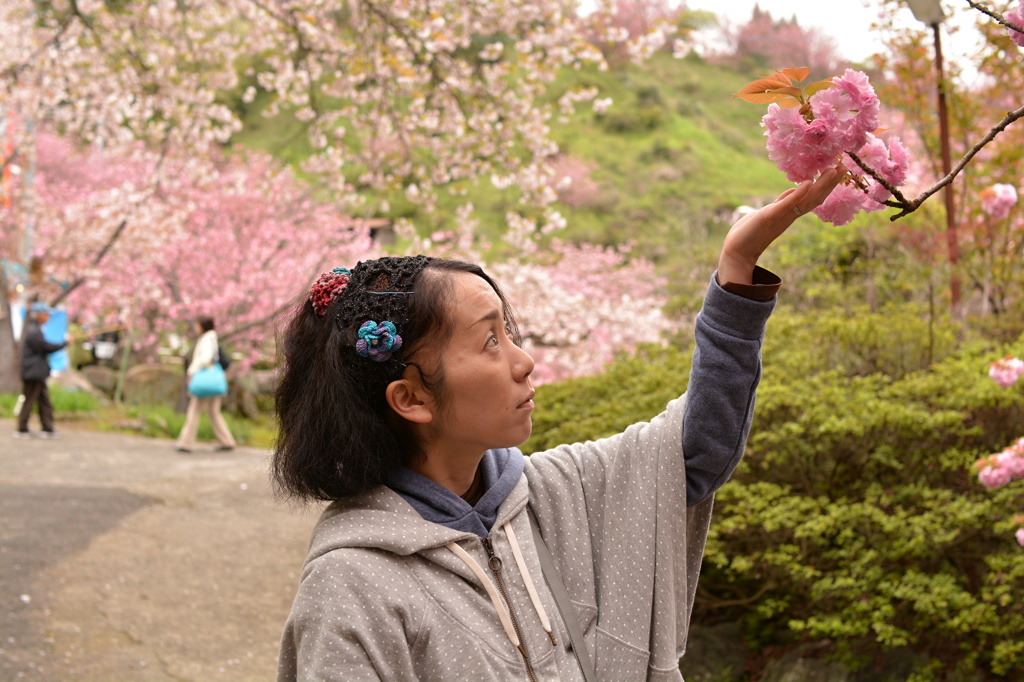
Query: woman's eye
[[508, 328], [492, 341]]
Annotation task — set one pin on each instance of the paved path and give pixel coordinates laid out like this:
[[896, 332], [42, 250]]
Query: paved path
[[123, 560]]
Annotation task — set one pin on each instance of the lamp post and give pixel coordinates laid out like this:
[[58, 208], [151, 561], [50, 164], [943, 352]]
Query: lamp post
[[930, 12]]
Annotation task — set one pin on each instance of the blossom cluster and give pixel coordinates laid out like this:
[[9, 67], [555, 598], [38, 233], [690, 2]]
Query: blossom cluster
[[1016, 17], [999, 469], [831, 124], [462, 99], [1005, 372], [998, 199]]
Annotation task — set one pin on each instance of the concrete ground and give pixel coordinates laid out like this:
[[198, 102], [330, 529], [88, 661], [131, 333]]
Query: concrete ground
[[121, 559]]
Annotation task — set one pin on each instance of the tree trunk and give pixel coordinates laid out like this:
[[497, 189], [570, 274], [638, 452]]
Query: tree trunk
[[10, 351]]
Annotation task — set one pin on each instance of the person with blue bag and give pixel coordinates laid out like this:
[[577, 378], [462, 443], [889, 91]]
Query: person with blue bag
[[206, 384], [35, 370]]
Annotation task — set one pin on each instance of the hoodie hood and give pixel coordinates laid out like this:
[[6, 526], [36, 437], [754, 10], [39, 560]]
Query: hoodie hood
[[499, 472], [381, 519]]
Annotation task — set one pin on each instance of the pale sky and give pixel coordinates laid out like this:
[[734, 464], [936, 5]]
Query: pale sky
[[848, 22]]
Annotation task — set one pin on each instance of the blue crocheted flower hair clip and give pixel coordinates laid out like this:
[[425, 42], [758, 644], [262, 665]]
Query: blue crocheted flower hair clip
[[378, 341]]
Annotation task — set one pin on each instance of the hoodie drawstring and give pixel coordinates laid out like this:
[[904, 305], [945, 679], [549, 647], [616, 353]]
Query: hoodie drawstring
[[492, 592], [506, 621], [521, 564]]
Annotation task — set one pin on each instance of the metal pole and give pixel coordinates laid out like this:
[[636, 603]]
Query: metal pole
[[29, 193], [947, 166]]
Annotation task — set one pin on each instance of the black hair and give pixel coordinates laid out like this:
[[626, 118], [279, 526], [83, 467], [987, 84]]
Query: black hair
[[337, 434], [205, 323]]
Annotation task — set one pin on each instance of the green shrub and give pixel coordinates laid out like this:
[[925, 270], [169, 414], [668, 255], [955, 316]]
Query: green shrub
[[854, 516], [67, 404], [633, 389], [159, 421]]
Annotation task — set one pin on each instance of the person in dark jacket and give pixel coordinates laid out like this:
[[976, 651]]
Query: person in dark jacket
[[35, 369]]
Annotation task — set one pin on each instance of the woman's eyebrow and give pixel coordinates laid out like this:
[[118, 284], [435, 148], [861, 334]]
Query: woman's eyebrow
[[493, 315]]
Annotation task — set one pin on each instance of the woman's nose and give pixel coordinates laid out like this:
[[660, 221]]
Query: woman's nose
[[522, 367]]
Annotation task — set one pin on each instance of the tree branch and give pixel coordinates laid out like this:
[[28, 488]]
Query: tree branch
[[285, 307], [95, 261], [907, 206], [995, 15]]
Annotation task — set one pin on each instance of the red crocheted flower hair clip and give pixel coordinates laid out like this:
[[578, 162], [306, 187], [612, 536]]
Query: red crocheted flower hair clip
[[328, 287]]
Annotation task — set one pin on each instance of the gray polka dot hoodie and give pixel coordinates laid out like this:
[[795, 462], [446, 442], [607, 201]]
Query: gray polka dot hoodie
[[387, 594]]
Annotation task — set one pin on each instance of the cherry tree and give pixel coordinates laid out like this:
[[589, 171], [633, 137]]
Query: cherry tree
[[151, 242], [415, 94], [577, 304], [419, 96], [779, 42]]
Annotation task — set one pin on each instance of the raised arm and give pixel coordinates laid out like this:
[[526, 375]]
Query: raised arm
[[729, 329]]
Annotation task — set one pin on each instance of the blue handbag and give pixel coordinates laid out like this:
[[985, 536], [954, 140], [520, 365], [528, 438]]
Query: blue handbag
[[208, 382]]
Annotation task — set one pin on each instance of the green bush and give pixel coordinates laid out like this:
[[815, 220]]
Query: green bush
[[159, 421], [633, 389], [66, 404], [855, 516]]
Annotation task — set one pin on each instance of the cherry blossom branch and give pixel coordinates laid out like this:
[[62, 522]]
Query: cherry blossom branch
[[15, 70], [906, 206], [280, 310], [900, 199], [995, 15], [96, 261]]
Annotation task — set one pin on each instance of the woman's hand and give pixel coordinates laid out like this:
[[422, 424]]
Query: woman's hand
[[753, 233]]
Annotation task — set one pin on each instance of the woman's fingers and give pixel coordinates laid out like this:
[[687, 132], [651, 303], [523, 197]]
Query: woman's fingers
[[810, 195], [754, 233]]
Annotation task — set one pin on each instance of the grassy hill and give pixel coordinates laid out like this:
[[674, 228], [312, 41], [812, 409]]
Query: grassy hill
[[672, 157]]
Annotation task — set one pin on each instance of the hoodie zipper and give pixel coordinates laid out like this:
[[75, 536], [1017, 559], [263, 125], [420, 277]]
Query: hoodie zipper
[[494, 563]]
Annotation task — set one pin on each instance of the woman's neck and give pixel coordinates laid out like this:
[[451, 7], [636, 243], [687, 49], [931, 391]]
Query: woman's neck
[[462, 477]]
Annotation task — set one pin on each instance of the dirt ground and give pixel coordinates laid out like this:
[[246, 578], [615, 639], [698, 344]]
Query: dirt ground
[[121, 559]]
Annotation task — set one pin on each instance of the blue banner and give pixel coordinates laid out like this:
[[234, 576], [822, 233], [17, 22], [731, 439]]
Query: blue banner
[[54, 331]]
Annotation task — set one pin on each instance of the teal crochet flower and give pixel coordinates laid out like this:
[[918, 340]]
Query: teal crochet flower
[[378, 341]]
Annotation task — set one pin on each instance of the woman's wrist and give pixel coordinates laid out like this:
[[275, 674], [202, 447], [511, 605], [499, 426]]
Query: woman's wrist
[[735, 269]]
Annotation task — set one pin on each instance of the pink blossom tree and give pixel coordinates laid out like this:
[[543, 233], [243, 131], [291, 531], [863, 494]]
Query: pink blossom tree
[[419, 94], [577, 304], [151, 242], [414, 95], [773, 43], [996, 471]]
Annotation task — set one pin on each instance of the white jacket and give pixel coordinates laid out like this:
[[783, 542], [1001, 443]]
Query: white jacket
[[205, 353]]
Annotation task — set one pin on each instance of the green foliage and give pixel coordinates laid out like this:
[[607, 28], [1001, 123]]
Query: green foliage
[[856, 507], [66, 404], [160, 421], [633, 389], [855, 515]]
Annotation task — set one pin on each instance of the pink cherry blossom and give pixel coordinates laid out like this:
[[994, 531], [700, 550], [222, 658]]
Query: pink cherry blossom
[[998, 199], [1007, 371], [845, 202], [1016, 16], [805, 141], [1020, 533], [1012, 462], [994, 476], [850, 107], [785, 130]]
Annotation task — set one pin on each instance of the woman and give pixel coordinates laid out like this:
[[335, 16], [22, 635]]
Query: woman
[[204, 355], [403, 395]]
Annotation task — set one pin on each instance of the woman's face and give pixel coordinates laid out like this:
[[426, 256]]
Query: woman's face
[[486, 377]]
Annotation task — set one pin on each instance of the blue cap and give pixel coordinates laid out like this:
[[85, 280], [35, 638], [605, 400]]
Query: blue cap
[[40, 307]]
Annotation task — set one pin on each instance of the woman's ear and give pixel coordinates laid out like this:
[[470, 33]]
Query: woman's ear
[[410, 400]]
